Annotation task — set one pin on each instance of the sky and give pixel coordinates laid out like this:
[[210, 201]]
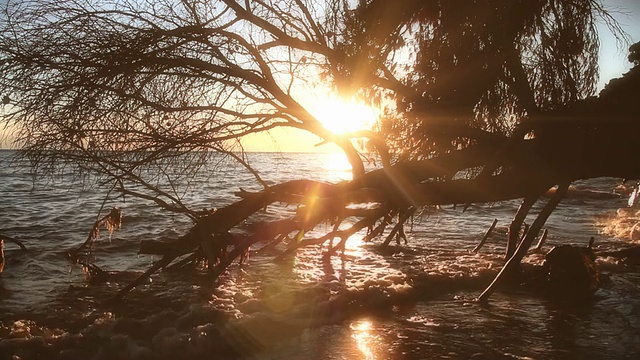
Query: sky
[[613, 56]]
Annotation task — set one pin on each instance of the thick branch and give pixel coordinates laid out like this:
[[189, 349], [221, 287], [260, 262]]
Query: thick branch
[[526, 242]]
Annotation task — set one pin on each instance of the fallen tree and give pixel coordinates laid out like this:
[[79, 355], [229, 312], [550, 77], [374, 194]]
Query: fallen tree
[[483, 118], [528, 171]]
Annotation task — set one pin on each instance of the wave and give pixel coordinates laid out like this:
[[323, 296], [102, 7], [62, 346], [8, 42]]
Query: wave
[[236, 322]]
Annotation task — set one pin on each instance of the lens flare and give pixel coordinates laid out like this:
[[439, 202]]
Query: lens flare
[[341, 117]]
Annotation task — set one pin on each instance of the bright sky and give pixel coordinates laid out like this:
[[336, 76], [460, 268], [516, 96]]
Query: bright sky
[[336, 115], [613, 56]]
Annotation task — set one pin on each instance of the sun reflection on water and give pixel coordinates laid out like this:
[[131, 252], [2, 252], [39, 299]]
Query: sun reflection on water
[[338, 166], [355, 245], [364, 336]]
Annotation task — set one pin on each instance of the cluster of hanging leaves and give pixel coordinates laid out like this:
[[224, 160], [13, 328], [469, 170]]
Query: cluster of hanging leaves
[[460, 71], [112, 222]]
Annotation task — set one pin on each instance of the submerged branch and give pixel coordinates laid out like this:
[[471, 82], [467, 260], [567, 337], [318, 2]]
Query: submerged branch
[[13, 240], [2, 239]]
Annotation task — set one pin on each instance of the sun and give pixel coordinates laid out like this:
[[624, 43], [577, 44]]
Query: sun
[[343, 116]]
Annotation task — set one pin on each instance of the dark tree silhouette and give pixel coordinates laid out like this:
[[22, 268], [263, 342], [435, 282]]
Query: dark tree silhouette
[[467, 72], [489, 102]]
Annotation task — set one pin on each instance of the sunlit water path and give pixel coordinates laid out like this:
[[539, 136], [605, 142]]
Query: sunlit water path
[[409, 302]]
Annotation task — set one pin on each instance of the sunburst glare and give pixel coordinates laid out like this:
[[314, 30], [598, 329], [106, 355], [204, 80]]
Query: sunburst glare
[[340, 116]]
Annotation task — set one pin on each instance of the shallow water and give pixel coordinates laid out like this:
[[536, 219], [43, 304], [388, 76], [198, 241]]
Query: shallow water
[[409, 302]]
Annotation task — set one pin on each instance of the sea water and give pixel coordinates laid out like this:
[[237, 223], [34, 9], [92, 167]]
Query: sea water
[[412, 301]]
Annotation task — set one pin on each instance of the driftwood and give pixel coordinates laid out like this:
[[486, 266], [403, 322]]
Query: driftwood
[[391, 191]]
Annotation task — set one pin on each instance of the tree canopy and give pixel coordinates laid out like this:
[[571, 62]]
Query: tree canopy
[[464, 72]]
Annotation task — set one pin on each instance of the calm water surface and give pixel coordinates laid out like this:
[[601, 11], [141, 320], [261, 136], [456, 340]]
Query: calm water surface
[[410, 302]]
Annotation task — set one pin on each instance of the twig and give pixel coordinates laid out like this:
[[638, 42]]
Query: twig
[[403, 216], [542, 240], [182, 263], [525, 231], [486, 236], [166, 260], [17, 242], [378, 230], [272, 244], [344, 235], [2, 239]]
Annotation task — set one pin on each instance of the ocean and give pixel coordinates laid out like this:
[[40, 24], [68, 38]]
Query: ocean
[[412, 301]]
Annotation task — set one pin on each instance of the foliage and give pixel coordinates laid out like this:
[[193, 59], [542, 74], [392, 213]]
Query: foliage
[[112, 222], [462, 72], [634, 54]]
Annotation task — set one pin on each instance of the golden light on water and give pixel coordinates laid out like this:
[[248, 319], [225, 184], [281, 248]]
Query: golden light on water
[[354, 245], [341, 116], [338, 165], [337, 162], [363, 333]]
